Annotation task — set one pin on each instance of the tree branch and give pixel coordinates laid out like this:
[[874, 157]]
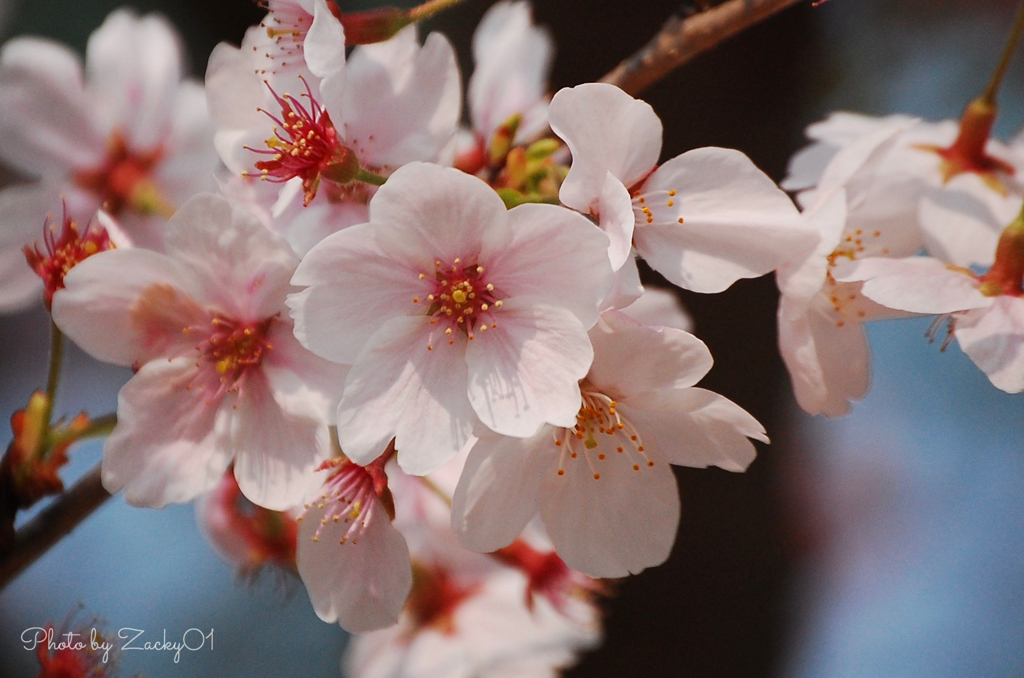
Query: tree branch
[[680, 40], [55, 522]]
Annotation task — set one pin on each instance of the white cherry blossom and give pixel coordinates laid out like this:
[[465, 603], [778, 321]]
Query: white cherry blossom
[[453, 311], [219, 376], [127, 133], [603, 487], [704, 219]]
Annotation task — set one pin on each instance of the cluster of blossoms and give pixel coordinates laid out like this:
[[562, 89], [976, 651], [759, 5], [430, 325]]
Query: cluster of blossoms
[[413, 362]]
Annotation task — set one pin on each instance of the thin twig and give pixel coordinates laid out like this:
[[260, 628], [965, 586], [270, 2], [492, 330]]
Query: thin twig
[[55, 522], [680, 40]]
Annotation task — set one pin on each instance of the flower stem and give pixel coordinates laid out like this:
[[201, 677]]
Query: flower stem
[[433, 487], [989, 96], [430, 8], [680, 40], [369, 177], [50, 526], [53, 375], [100, 426]]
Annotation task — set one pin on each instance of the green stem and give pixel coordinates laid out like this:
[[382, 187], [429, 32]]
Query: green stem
[[430, 8], [989, 96], [369, 177], [433, 487], [53, 375], [98, 427]]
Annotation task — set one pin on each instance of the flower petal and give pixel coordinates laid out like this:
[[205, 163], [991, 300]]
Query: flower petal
[[993, 339], [607, 131], [915, 284]]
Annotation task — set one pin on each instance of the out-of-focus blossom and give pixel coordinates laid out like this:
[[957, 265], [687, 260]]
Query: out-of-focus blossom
[[452, 311], [604, 488], [704, 219], [219, 375], [249, 537], [127, 135]]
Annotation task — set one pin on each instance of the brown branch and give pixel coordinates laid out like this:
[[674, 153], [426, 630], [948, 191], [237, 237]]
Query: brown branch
[[52, 524], [680, 40]]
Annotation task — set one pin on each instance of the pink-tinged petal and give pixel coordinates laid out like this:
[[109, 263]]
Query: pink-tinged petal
[[20, 287], [858, 162], [802, 280], [314, 223], [556, 254], [355, 289], [243, 267], [615, 525], [626, 287], [607, 131], [128, 307], [694, 427], [735, 222], [169, 444], [400, 102], [617, 220], [398, 388], [958, 227], [513, 59], [428, 213], [233, 92], [659, 308], [828, 360], [631, 359], [134, 65], [46, 118], [324, 46], [525, 372], [499, 489], [192, 159], [362, 583], [993, 339], [24, 210], [915, 284], [278, 438], [295, 372]]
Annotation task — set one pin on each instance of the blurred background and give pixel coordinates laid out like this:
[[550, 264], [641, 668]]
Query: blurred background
[[888, 543]]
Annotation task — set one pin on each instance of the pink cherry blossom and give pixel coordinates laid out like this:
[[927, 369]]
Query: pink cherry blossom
[[603, 487], [219, 376], [127, 134], [704, 219], [453, 311]]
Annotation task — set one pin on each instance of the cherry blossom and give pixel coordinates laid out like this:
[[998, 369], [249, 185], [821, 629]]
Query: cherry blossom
[[603, 487], [704, 219], [452, 311], [127, 134], [219, 375]]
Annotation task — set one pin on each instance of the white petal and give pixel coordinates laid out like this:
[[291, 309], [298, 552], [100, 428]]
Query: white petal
[[959, 228], [525, 372], [694, 427], [46, 119], [169, 445], [324, 46], [631, 359], [398, 388], [915, 284], [499, 490], [363, 585], [555, 254], [659, 308], [802, 280], [736, 222], [626, 287], [134, 66], [401, 102], [617, 220], [127, 306], [355, 289], [607, 131], [619, 524], [278, 439], [994, 339]]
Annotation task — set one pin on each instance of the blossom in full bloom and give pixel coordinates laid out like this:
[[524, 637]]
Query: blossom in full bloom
[[452, 311], [704, 219], [603, 487], [128, 135], [219, 376]]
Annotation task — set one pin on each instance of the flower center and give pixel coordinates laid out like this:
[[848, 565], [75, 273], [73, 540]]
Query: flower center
[[62, 254], [124, 180], [351, 496], [306, 145], [234, 348], [435, 597], [599, 430], [656, 207], [462, 299]]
